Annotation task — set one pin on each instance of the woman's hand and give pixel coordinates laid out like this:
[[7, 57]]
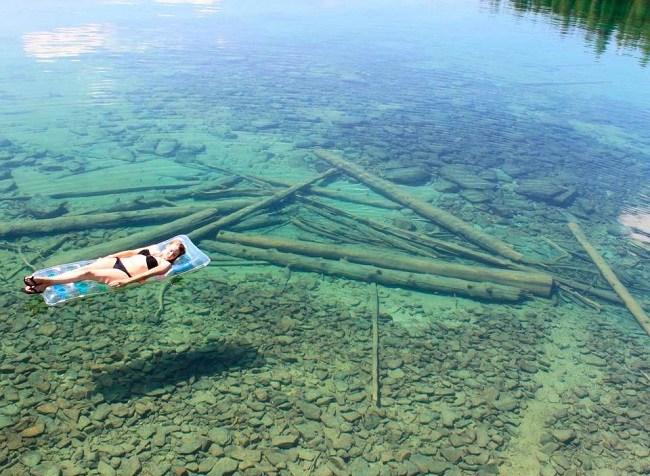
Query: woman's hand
[[118, 283]]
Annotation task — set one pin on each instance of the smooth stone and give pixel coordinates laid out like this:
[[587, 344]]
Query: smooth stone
[[7, 185], [248, 456], [224, 467], [309, 410], [263, 125], [41, 206], [452, 455], [10, 410], [284, 441], [33, 431], [466, 177], [506, 405], [145, 431], [130, 466], [166, 147], [105, 469], [46, 409], [31, 458], [591, 359], [448, 418], [147, 146], [407, 175], [445, 186], [189, 444], [475, 196], [553, 397], [563, 436], [101, 412], [46, 469], [220, 436], [343, 442], [207, 464]]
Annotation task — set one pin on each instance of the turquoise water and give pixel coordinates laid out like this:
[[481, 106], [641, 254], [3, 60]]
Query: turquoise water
[[515, 117]]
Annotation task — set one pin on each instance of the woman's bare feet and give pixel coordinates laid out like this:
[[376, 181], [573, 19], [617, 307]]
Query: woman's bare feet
[[38, 289]]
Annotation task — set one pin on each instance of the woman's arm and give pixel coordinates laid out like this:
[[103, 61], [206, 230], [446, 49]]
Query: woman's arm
[[127, 253], [160, 269]]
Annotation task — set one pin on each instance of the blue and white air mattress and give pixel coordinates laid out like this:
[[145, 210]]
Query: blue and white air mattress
[[193, 259]]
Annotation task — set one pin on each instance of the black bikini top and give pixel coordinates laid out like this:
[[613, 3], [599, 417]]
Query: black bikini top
[[151, 261]]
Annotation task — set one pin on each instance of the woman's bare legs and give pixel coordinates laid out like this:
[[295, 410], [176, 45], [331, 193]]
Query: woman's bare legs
[[100, 270]]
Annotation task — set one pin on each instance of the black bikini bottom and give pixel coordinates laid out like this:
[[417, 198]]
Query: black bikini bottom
[[118, 265]]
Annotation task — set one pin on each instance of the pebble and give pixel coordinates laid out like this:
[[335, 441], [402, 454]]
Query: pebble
[[33, 431], [452, 455], [564, 436], [284, 441], [309, 410], [130, 466], [224, 467], [189, 444], [31, 458], [46, 409], [220, 436], [448, 418], [105, 469], [47, 329], [5, 421], [46, 469], [101, 412]]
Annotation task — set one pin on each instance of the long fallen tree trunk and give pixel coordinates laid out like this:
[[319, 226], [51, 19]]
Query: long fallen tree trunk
[[143, 238], [441, 245], [99, 220], [336, 195], [438, 216], [115, 191], [632, 305], [535, 283], [372, 274], [213, 228]]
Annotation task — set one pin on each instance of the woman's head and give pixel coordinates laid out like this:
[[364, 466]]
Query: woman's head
[[173, 250]]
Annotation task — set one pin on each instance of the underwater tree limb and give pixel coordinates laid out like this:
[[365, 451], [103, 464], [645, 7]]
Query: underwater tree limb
[[161, 300], [414, 237], [437, 215], [597, 292], [116, 191], [372, 234], [631, 304], [375, 349], [202, 232], [336, 195], [98, 220], [143, 238], [373, 274], [538, 284]]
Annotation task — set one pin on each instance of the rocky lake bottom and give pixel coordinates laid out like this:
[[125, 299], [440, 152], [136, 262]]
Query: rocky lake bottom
[[261, 371]]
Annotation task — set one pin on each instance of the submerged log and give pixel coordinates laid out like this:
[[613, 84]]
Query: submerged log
[[535, 283], [375, 349], [335, 195], [372, 274], [99, 220], [438, 216], [228, 220], [116, 191], [368, 234], [143, 238], [416, 238], [632, 305]]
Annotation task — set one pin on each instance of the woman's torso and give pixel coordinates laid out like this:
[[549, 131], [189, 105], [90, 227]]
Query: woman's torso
[[141, 263]]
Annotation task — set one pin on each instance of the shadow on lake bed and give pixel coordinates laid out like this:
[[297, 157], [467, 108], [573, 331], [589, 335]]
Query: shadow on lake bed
[[160, 373]]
